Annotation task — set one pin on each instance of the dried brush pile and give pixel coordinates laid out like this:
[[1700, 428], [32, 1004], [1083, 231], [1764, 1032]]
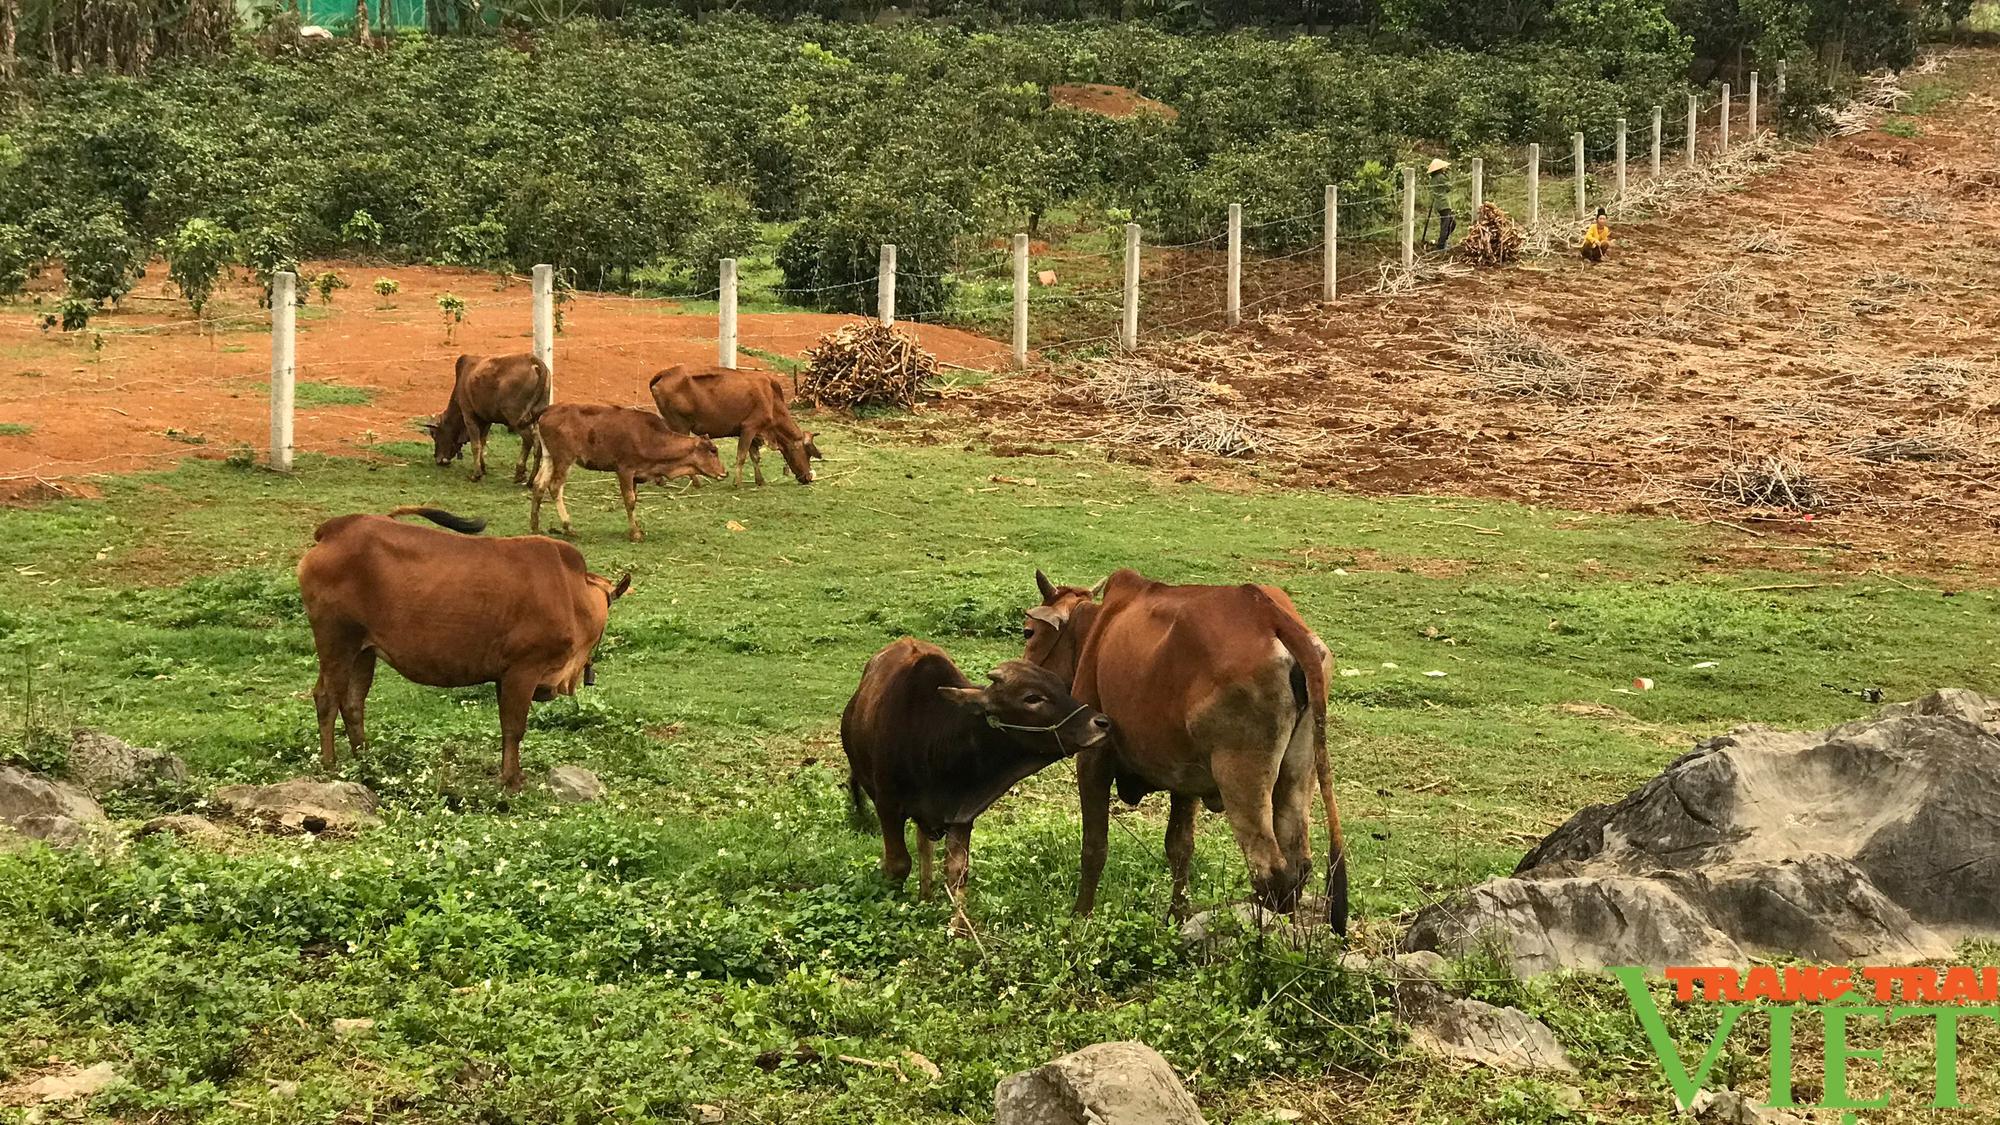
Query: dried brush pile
[[1772, 481], [1494, 239], [866, 364], [1131, 386], [1512, 359], [1159, 400]]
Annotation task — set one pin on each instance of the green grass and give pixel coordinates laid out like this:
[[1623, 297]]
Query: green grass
[[1901, 127], [15, 429], [528, 962], [326, 394]]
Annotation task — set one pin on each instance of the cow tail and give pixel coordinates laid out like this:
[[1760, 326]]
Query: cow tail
[[1299, 643], [461, 524]]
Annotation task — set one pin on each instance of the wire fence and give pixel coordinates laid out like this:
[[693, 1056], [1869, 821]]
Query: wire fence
[[1075, 300]]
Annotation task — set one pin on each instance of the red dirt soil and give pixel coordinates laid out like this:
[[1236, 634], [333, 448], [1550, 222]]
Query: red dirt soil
[[1110, 101], [159, 389], [1835, 316]]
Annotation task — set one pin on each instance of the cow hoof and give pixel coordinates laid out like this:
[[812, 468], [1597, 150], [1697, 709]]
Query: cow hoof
[[636, 536]]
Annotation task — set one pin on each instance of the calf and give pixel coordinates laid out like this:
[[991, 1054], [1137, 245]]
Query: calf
[[448, 610], [926, 745], [506, 389], [749, 406], [638, 446]]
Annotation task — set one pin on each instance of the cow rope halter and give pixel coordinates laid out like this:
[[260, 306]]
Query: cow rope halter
[[1054, 728]]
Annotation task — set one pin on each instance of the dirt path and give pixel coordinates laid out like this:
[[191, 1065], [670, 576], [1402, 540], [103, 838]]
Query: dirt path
[[159, 389], [1811, 354]]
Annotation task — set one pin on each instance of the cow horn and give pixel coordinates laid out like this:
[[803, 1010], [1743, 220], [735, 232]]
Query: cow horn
[[624, 584], [1043, 584], [1097, 591]]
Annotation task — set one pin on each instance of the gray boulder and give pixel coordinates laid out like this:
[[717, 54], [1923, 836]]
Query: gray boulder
[[574, 785], [301, 805], [1475, 1031], [55, 812], [1871, 841], [1107, 1084], [187, 829], [103, 764]]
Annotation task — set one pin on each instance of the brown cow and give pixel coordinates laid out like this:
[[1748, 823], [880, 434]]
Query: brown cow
[[750, 406], [1219, 696], [448, 610], [926, 745], [635, 444], [507, 389]]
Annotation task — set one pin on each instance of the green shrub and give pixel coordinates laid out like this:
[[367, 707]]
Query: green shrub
[[102, 260], [326, 284], [361, 230], [269, 251], [197, 256], [21, 257]]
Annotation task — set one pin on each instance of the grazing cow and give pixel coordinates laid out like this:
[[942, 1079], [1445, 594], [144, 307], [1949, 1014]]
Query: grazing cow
[[508, 389], [926, 745], [750, 406], [448, 610], [1219, 696], [636, 445]]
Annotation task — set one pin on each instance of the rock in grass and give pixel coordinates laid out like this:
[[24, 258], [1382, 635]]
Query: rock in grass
[[301, 805], [67, 1085], [56, 812], [574, 785], [1474, 1031], [188, 829], [1871, 841], [1124, 1083], [1242, 918], [354, 1027], [1727, 1107], [103, 764]]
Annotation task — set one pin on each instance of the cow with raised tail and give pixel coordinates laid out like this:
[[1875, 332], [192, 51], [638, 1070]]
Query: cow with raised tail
[[924, 744], [448, 609], [1218, 695]]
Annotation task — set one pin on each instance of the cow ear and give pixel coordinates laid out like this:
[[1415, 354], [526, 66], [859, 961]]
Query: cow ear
[[1044, 613], [1047, 588], [429, 427], [624, 584], [970, 700]]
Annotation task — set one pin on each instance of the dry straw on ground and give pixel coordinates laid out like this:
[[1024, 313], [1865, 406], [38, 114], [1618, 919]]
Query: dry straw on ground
[[1512, 359]]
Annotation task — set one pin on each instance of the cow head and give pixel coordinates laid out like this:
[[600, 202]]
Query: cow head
[[1054, 629], [1034, 709], [612, 592], [684, 456], [448, 436], [798, 457]]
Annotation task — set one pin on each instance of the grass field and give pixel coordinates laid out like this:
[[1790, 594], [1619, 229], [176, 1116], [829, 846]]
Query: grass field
[[634, 959]]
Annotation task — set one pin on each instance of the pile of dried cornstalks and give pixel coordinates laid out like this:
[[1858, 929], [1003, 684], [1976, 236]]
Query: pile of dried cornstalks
[[865, 364], [1494, 239]]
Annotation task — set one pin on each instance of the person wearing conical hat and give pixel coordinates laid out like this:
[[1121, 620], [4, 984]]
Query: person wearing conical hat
[[1441, 203]]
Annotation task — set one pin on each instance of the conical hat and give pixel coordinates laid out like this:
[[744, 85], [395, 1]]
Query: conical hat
[[1439, 165]]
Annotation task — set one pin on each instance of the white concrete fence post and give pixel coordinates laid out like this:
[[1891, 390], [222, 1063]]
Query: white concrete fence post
[[885, 286], [1752, 131], [1621, 161], [1534, 185], [1232, 303], [725, 328], [1694, 125], [1020, 300], [1330, 256], [544, 291], [1478, 186], [1723, 112], [284, 364], [1659, 121], [1582, 174], [1780, 99], [1409, 218], [1128, 335]]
